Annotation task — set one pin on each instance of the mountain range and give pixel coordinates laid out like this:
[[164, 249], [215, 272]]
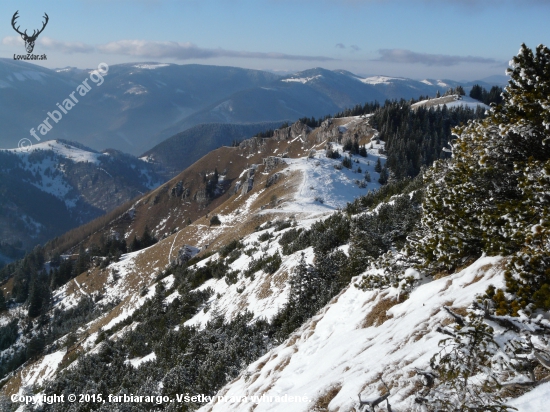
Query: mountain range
[[54, 186], [139, 105]]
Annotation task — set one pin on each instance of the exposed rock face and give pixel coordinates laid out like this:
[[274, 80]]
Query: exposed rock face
[[185, 254], [272, 162], [202, 197], [238, 185], [292, 132], [249, 182], [252, 143], [179, 191], [274, 178], [328, 132]]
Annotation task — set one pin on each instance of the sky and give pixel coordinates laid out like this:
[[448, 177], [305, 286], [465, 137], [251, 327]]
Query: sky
[[445, 39]]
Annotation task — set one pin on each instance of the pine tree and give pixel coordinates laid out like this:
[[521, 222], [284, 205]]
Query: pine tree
[[477, 92], [147, 239], [384, 176], [135, 244], [491, 197], [3, 306], [367, 176], [465, 370]]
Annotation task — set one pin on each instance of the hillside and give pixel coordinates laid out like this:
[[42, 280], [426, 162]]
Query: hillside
[[51, 187], [298, 272]]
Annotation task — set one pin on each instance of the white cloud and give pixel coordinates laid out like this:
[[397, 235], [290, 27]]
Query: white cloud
[[408, 57], [51, 44], [186, 51], [64, 46], [13, 41]]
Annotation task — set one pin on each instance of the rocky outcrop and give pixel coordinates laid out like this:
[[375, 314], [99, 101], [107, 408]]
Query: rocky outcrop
[[179, 191], [185, 254], [249, 182], [327, 131], [252, 143], [202, 197], [274, 178], [292, 132], [272, 162]]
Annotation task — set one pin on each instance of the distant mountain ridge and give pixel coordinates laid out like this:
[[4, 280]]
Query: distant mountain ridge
[[183, 149], [139, 105], [56, 185]]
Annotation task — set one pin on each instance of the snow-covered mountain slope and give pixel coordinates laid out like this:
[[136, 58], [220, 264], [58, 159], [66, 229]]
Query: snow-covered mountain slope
[[68, 150], [258, 236], [309, 186], [357, 339], [55, 185]]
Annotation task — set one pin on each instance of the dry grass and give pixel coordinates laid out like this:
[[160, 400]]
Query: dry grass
[[322, 402], [292, 340], [283, 364], [11, 387], [313, 325], [378, 315], [441, 274], [477, 277], [418, 335], [7, 288], [265, 288], [461, 310], [467, 263]]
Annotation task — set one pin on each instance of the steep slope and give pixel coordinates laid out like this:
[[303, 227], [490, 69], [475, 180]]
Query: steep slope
[[54, 186], [271, 288], [295, 192], [357, 342]]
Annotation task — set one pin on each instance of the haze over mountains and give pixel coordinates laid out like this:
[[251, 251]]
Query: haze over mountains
[[139, 105]]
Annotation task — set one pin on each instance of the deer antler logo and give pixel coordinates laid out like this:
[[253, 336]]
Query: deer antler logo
[[29, 40]]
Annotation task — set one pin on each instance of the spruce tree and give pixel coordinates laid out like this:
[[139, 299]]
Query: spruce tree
[[3, 306], [477, 92], [491, 197]]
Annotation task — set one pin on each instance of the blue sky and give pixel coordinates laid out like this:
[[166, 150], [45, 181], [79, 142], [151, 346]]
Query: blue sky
[[454, 39]]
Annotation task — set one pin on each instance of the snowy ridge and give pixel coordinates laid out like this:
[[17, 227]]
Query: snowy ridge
[[151, 66], [61, 149], [325, 188], [46, 162], [432, 82], [451, 102], [302, 80], [380, 80]]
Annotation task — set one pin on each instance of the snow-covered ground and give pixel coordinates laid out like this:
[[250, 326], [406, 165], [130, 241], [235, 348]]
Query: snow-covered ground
[[49, 174], [302, 80], [347, 345], [61, 149], [451, 102], [325, 188], [535, 401], [380, 79]]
